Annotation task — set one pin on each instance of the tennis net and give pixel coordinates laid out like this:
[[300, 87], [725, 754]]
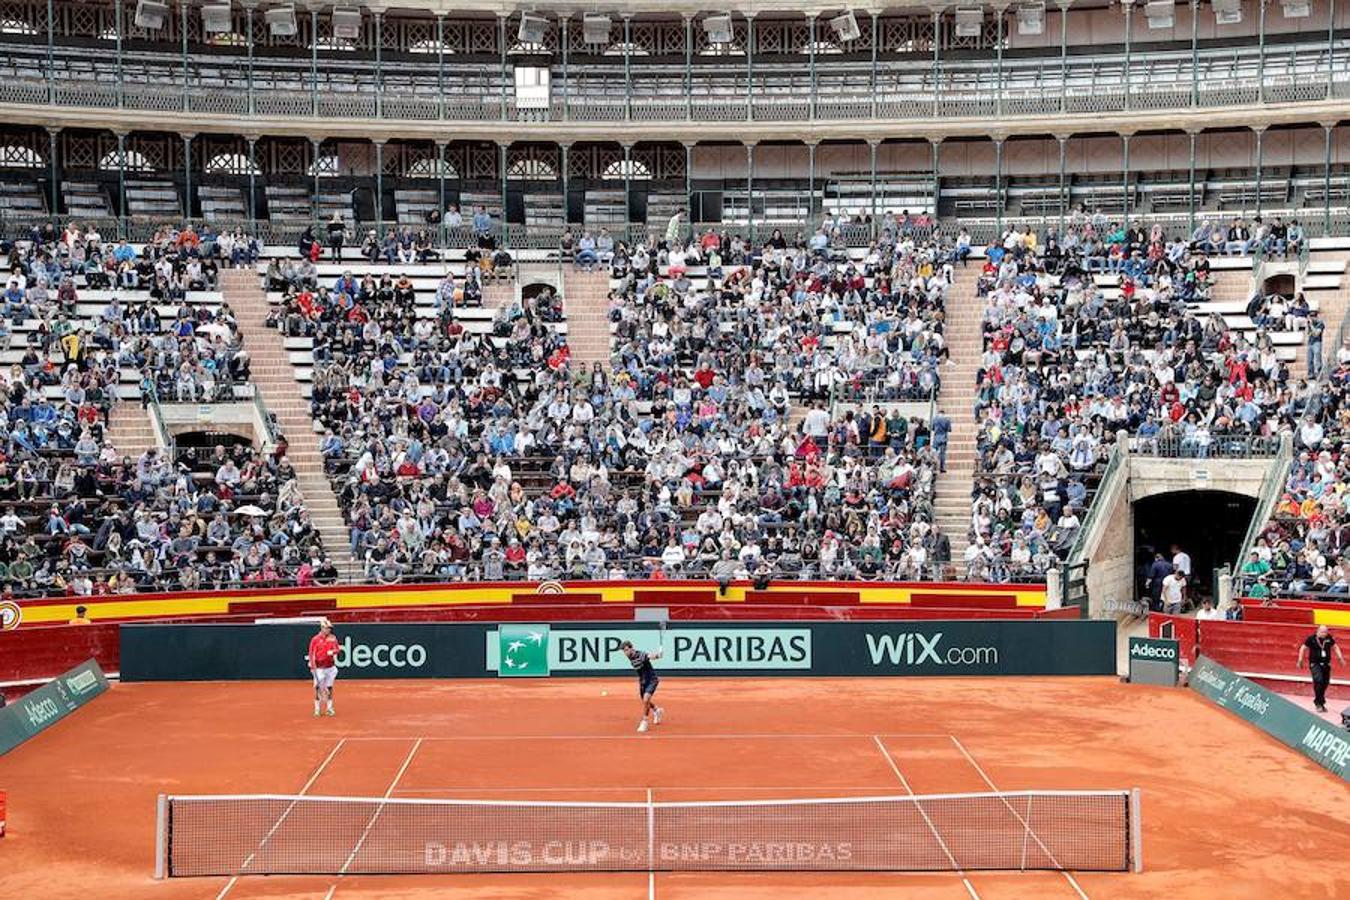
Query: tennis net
[[274, 834]]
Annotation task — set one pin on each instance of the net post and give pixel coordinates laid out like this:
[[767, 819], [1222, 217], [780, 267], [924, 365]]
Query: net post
[[161, 835], [1136, 831]]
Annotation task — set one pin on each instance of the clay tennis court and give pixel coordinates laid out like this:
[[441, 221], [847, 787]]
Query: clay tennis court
[[1226, 810]]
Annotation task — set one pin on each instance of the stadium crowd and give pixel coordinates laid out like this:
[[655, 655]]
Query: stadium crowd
[[80, 518]]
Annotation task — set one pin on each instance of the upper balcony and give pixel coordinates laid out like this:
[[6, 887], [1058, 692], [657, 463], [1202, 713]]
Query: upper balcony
[[920, 73]]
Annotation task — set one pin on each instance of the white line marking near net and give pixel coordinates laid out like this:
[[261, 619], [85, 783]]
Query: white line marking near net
[[666, 736], [890, 760], [1073, 882], [380, 809], [651, 848], [314, 776]]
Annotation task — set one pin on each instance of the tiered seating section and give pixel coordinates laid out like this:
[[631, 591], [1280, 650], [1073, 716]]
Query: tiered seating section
[[86, 326]]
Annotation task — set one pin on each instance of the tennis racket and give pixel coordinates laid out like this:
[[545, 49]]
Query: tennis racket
[[662, 627]]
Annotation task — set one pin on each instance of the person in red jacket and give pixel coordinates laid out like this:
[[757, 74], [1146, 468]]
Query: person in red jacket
[[323, 651]]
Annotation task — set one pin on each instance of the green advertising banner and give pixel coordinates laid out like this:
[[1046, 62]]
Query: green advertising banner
[[1315, 738], [49, 704], [476, 650]]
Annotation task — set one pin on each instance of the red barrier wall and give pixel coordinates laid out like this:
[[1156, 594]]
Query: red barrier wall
[[1182, 629]]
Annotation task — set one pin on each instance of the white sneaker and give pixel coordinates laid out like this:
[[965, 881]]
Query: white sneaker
[[657, 714], [642, 726]]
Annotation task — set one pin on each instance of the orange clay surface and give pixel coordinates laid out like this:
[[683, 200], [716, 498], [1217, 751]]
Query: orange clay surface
[[1228, 812]]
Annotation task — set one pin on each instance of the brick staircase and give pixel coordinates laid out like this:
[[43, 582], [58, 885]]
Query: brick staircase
[[499, 294], [951, 501], [586, 302], [1332, 306], [274, 377], [129, 429]]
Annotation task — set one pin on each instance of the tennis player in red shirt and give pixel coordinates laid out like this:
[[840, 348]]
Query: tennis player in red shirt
[[323, 651]]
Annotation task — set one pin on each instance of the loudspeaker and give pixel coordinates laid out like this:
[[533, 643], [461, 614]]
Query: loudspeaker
[[595, 29], [151, 15], [969, 21], [280, 21], [532, 29], [216, 18], [718, 29], [346, 23], [846, 27]]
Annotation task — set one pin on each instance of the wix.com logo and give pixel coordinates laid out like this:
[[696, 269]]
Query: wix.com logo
[[913, 649]]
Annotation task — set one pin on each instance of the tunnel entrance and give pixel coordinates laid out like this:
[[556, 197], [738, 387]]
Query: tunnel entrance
[[1209, 525]]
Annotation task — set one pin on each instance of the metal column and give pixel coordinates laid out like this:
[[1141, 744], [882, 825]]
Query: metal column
[[749, 66], [1195, 60], [564, 39], [1063, 180], [440, 86], [501, 40], [1129, 33], [810, 183], [872, 76], [564, 149], [688, 67], [440, 180], [937, 62], [937, 174], [379, 185], [117, 50], [314, 60], [51, 51], [502, 163], [689, 181], [184, 29], [379, 64], [252, 207], [750, 190], [1063, 52], [1191, 180], [317, 144], [998, 84], [248, 42], [1260, 155], [998, 187], [1261, 47], [872, 148], [811, 46], [1125, 178], [1331, 48], [52, 147], [628, 67], [121, 184], [627, 187], [1326, 181], [187, 176]]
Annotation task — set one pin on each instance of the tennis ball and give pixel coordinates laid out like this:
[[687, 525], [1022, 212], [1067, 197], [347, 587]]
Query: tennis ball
[[604, 693]]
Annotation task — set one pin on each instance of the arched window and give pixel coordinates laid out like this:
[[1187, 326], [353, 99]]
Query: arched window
[[16, 156], [136, 162], [637, 170], [230, 164], [324, 165], [531, 170], [431, 167]]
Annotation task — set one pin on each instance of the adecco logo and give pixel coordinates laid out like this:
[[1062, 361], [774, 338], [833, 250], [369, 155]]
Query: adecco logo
[[380, 656], [1154, 651]]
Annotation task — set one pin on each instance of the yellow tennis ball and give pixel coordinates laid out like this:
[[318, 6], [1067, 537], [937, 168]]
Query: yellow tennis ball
[[604, 693]]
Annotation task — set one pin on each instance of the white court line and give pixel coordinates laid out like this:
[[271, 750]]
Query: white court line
[[1073, 882], [379, 809], [931, 827], [615, 790], [308, 784], [666, 735]]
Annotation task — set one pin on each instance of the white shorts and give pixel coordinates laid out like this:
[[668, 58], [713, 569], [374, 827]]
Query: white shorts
[[324, 678]]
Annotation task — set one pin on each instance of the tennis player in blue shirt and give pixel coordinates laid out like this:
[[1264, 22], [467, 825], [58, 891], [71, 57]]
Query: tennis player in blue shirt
[[647, 681]]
